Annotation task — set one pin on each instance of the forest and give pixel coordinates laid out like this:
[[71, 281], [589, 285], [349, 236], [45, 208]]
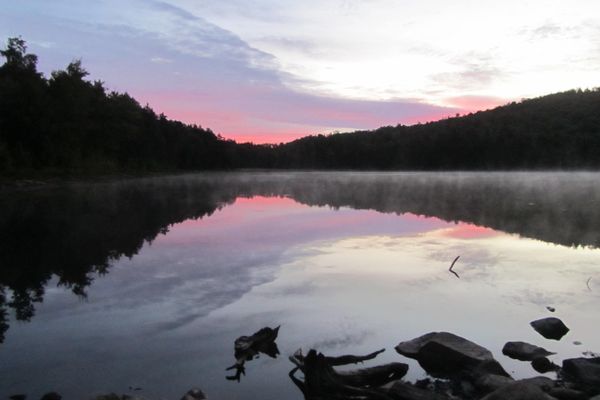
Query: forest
[[66, 125]]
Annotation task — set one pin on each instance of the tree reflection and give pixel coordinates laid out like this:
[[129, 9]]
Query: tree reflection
[[75, 232]]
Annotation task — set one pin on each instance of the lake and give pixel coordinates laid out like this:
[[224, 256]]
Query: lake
[[146, 283]]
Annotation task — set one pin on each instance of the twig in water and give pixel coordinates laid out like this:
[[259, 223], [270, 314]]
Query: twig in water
[[452, 266], [588, 283]]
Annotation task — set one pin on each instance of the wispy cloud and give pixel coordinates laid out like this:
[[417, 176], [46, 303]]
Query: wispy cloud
[[262, 68], [161, 60]]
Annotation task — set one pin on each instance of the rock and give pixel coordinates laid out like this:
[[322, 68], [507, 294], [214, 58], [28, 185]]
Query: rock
[[543, 365], [550, 328], [551, 309], [110, 396], [194, 394], [445, 355], [51, 396], [577, 343], [585, 371], [567, 394], [524, 351], [542, 382], [526, 389], [490, 382], [406, 391], [18, 397]]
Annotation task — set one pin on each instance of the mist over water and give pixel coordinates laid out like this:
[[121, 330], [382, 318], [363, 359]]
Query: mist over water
[[147, 282]]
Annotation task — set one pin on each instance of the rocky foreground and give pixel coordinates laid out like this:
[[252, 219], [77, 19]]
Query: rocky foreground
[[459, 369]]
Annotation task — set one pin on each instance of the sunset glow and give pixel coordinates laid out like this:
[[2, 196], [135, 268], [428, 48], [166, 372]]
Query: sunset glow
[[269, 71]]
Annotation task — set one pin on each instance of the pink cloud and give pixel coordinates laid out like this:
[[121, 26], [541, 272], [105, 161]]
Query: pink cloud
[[469, 231], [475, 103], [263, 114]]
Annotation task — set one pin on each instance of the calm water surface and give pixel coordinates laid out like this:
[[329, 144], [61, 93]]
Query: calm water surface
[[147, 283]]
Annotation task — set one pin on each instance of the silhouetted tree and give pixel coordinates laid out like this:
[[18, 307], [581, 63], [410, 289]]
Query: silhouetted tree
[[67, 124]]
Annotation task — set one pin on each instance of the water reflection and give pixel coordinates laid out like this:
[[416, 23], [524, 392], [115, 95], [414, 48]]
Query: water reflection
[[76, 232], [195, 260]]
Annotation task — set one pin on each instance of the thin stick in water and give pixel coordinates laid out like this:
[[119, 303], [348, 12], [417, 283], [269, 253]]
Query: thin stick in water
[[452, 266]]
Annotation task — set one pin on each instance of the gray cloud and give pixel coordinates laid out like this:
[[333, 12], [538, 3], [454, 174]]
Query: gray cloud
[[475, 71]]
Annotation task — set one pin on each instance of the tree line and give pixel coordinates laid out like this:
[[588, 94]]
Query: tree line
[[66, 124]]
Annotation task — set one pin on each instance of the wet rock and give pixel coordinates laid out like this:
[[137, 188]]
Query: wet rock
[[567, 394], [51, 396], [543, 365], [542, 382], [406, 391], [550, 328], [524, 351], [526, 389], [490, 382], [585, 371], [194, 394], [445, 355], [551, 309]]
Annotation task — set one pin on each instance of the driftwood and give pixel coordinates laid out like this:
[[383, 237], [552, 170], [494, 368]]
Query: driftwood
[[322, 381], [246, 348]]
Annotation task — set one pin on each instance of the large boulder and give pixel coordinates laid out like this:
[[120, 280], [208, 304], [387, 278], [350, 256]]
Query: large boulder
[[526, 389], [584, 371], [445, 355], [550, 328], [524, 351], [490, 382], [562, 393]]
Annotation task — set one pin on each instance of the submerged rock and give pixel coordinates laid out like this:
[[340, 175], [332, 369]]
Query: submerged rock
[[550, 328], [551, 309], [445, 355], [543, 365], [110, 396], [524, 351], [585, 371], [114, 396], [51, 396], [194, 394]]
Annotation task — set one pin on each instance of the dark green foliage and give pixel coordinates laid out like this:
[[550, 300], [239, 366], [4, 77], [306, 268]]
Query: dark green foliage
[[556, 131], [66, 124]]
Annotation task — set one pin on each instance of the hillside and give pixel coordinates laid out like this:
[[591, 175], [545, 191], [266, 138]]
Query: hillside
[[561, 130], [67, 125]]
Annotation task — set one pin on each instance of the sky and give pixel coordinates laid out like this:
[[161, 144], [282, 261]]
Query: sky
[[270, 71]]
